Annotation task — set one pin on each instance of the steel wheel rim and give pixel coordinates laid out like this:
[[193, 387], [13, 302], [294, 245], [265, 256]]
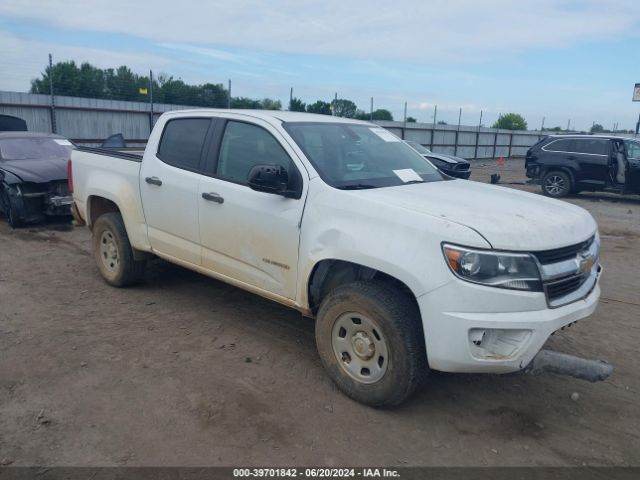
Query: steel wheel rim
[[555, 184], [109, 253], [360, 347]]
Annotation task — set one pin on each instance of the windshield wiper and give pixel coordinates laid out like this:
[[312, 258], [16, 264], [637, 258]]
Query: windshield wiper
[[356, 186]]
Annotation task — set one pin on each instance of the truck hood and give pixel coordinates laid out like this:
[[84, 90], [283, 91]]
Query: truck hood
[[36, 170], [508, 219]]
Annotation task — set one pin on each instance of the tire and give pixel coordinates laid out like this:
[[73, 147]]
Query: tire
[[113, 253], [557, 184], [388, 335], [11, 212]]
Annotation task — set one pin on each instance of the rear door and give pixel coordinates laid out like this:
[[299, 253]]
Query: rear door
[[169, 181], [247, 235], [593, 156]]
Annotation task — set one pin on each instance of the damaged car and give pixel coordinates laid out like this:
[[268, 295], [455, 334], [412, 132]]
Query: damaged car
[[33, 176], [448, 164]]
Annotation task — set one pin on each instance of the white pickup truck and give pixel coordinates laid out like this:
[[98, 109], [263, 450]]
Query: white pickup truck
[[403, 268]]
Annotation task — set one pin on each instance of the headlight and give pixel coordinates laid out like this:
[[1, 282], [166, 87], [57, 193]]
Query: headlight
[[516, 271]]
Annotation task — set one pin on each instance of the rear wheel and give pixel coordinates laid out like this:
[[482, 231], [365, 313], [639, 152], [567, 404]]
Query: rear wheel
[[113, 252], [556, 184], [369, 337], [10, 210]]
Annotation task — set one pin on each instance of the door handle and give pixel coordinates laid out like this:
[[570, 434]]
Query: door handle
[[213, 197], [153, 181]]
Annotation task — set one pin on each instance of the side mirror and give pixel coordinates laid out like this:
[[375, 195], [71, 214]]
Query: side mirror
[[269, 179]]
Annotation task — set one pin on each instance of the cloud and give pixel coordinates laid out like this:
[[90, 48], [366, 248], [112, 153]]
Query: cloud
[[441, 31], [22, 59]]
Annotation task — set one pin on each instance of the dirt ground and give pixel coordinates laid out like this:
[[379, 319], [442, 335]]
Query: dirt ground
[[185, 370]]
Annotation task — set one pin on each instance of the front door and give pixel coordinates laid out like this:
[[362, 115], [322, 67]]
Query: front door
[[247, 235]]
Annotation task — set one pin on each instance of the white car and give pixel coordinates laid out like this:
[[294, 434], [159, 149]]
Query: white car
[[404, 269]]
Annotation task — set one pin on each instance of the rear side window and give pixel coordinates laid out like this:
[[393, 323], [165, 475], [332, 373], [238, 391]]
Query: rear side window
[[244, 146], [594, 146], [182, 141], [562, 145]]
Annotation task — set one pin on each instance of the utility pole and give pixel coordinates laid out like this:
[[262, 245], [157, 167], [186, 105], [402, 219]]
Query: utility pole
[[290, 97], [335, 104], [542, 127], [371, 111], [568, 125], [229, 95], [54, 128], [435, 115], [150, 101], [404, 121]]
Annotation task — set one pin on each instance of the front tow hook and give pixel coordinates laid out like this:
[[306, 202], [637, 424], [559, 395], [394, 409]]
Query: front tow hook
[[565, 364]]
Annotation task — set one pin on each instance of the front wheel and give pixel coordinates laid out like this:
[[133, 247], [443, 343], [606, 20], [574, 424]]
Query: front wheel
[[113, 252], [10, 210], [369, 337], [556, 184]]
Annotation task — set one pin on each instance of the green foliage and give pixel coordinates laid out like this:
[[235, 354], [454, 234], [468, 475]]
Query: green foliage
[[411, 120], [442, 122], [597, 128], [296, 105], [250, 103], [382, 114], [511, 121], [320, 107], [342, 107], [552, 129]]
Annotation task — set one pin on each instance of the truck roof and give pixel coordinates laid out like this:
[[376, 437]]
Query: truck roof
[[278, 115]]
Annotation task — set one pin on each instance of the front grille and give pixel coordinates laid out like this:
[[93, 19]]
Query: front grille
[[559, 254], [564, 287]]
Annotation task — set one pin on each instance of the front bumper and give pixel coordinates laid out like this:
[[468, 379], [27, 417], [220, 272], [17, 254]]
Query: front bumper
[[474, 328]]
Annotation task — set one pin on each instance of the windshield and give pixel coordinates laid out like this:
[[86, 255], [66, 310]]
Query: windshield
[[633, 149], [27, 148], [351, 156], [419, 148]]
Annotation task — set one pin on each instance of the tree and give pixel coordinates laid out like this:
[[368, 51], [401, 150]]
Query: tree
[[442, 122], [382, 114], [245, 103], [296, 105], [511, 121], [270, 104], [320, 107], [411, 120], [342, 107], [597, 128]]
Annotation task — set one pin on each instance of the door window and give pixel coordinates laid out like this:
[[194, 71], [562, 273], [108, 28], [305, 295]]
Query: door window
[[182, 141], [633, 149], [244, 146], [563, 145], [593, 146]]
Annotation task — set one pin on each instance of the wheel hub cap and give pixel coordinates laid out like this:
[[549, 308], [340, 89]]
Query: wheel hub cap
[[359, 347], [109, 251], [363, 345]]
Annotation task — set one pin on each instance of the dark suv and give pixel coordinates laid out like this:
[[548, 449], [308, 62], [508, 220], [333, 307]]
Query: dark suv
[[564, 164]]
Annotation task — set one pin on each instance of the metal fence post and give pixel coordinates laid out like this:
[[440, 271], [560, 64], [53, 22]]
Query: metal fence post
[[495, 142], [475, 154], [510, 144], [455, 143], [54, 127]]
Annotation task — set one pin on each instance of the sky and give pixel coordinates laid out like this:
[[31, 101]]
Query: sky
[[562, 60]]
